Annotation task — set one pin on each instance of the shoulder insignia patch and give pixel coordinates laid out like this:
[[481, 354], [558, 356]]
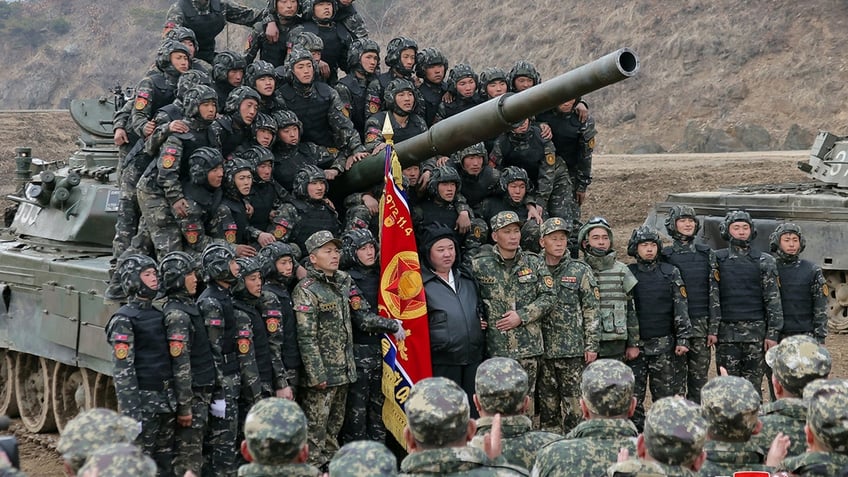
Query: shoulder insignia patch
[[176, 348], [122, 350], [373, 106], [272, 325], [168, 161], [120, 337], [243, 345], [214, 322], [371, 137], [591, 143], [825, 290], [597, 293], [177, 337], [140, 103], [273, 313], [230, 233], [550, 158], [333, 150], [303, 308], [346, 111], [683, 291], [566, 279], [244, 333], [280, 231], [355, 302], [192, 233], [549, 281]]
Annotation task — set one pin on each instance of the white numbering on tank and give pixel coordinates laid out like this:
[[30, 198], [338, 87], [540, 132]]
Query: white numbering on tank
[[838, 163], [28, 213]]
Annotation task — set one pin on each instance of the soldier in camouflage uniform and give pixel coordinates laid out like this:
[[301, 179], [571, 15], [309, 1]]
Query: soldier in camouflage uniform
[[663, 312], [437, 431], [672, 444], [232, 129], [91, 430], [399, 106], [479, 180], [462, 85], [262, 77], [619, 325], [431, 66], [607, 403], [826, 436], [363, 459], [187, 37], [501, 388], [309, 210], [318, 19], [401, 53], [751, 313], [144, 383], [351, 19], [699, 268], [291, 154], [517, 291], [159, 87], [191, 359], [795, 362], [284, 13], [363, 63], [571, 330], [117, 460], [227, 74], [328, 305], [730, 405], [206, 216], [515, 188], [275, 441]]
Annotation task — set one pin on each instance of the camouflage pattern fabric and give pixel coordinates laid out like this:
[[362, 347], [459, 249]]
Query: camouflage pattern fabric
[[501, 385], [559, 393], [117, 460], [519, 442], [658, 371], [188, 441], [730, 404], [643, 468], [798, 360], [607, 387], [324, 409], [827, 417], [742, 359], [437, 411], [363, 459], [815, 464], [674, 432], [92, 429], [588, 449], [725, 458], [455, 462], [364, 411], [619, 326], [275, 431], [220, 456]]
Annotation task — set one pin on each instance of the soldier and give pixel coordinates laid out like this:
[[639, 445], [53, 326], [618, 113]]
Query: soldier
[[501, 388], [363, 458], [206, 216], [144, 383], [264, 129], [795, 362], [285, 16], [400, 58], [310, 210], [291, 154], [515, 188], [607, 403], [227, 73], [826, 436], [159, 87], [318, 18], [116, 460], [233, 128], [262, 77], [187, 37], [493, 82], [275, 440], [672, 444], [431, 65], [523, 75], [571, 330], [730, 405], [327, 305], [751, 314], [479, 180], [351, 19], [660, 299], [238, 182], [803, 292], [191, 359], [699, 268], [462, 86], [445, 205], [91, 430], [363, 63], [619, 325], [399, 106], [517, 291], [266, 195], [437, 431], [227, 344]]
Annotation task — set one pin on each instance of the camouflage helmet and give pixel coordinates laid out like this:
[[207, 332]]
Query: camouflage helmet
[[275, 431], [226, 61], [827, 418], [779, 231], [442, 174], [92, 429], [296, 55], [501, 385], [129, 273], [203, 160], [247, 266], [353, 240], [240, 162], [285, 118], [393, 51], [309, 41], [266, 122], [478, 149], [306, 174], [512, 174], [437, 412], [180, 33], [163, 57], [523, 68], [677, 212], [490, 74], [737, 216], [502, 219], [215, 261], [117, 460], [641, 235], [173, 270], [257, 154], [392, 89], [675, 431], [238, 96], [272, 252], [583, 235], [189, 80], [797, 361], [730, 405], [362, 459], [459, 72], [195, 97], [429, 57], [258, 69], [359, 48], [606, 387], [307, 8]]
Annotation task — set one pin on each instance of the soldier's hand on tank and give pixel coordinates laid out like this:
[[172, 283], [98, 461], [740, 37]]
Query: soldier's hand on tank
[[447, 97], [353, 159], [631, 353], [272, 33], [680, 350], [184, 421], [508, 321], [180, 208], [580, 197], [463, 222], [371, 203], [265, 239], [178, 126], [379, 147], [590, 356], [330, 174], [149, 127], [441, 161], [245, 251], [778, 450], [582, 112], [218, 408], [324, 69], [545, 130], [285, 393], [400, 334], [712, 340], [768, 344], [120, 137]]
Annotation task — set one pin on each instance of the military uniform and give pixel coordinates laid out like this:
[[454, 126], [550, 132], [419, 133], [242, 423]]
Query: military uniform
[[363, 458], [619, 324], [351, 91], [258, 46], [120, 459], [414, 126], [826, 417], [89, 431]]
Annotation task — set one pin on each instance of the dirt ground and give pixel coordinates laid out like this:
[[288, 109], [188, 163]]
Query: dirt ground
[[623, 191]]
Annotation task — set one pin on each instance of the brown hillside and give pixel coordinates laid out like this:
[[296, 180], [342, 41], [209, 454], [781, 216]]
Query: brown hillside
[[725, 65]]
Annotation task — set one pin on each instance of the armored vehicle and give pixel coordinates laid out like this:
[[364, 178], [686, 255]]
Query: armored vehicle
[[820, 207], [55, 256]]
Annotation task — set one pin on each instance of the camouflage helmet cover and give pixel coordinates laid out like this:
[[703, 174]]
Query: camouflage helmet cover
[[428, 57], [203, 160], [641, 235], [437, 411], [129, 273], [501, 385], [675, 431], [173, 270], [196, 96], [786, 228], [676, 212], [226, 61]]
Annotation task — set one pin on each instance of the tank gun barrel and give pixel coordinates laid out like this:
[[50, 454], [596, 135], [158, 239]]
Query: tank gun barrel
[[495, 116]]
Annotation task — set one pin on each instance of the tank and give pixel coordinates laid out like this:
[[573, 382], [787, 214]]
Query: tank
[[55, 255], [819, 206]]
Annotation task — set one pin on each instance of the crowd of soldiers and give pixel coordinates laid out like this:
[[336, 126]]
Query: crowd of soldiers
[[249, 286]]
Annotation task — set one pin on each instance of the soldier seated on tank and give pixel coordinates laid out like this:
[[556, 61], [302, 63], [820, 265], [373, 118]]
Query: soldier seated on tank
[[238, 184], [291, 154], [266, 195], [187, 37], [262, 77], [514, 196], [479, 180], [285, 16], [159, 87], [206, 215], [431, 67], [363, 61], [399, 107], [233, 128], [400, 58], [227, 73], [309, 210], [313, 44], [318, 16], [462, 87], [264, 129]]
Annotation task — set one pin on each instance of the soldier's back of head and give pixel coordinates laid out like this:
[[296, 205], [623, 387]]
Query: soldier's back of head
[[275, 431], [363, 459], [501, 386], [91, 430], [730, 405], [119, 460], [437, 413], [797, 361], [606, 389]]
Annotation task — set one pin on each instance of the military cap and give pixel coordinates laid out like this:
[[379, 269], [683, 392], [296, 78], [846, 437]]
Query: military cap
[[118, 460], [319, 239], [827, 416], [555, 224], [730, 405], [607, 387], [501, 385], [363, 459], [437, 411], [834, 383], [504, 218], [675, 431], [797, 360], [275, 431], [91, 430]]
